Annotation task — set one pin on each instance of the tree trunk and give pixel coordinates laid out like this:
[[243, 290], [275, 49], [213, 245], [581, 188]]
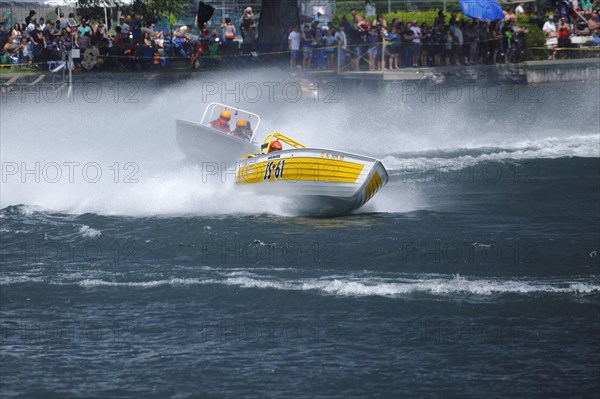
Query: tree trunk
[[277, 17]]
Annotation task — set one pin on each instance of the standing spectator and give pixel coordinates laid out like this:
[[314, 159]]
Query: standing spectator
[[29, 17], [372, 43], [355, 17], [37, 38], [342, 42], [32, 24], [124, 28], [406, 43], [471, 35], [458, 41], [449, 41], [495, 41], [549, 27], [425, 45], [48, 32], [294, 47], [16, 35], [228, 30], [63, 21], [307, 47], [248, 40], [564, 33], [247, 21], [101, 29], [593, 24], [83, 28], [437, 45], [520, 9], [484, 42], [330, 45], [356, 43], [318, 46], [380, 23], [509, 15], [393, 47], [416, 43], [135, 27]]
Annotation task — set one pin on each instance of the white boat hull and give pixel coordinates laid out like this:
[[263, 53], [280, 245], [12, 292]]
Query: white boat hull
[[203, 144], [321, 182]]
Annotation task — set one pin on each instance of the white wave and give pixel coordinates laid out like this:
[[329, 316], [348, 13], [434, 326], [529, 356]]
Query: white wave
[[143, 284], [10, 280], [587, 146], [88, 232], [352, 286], [379, 287]]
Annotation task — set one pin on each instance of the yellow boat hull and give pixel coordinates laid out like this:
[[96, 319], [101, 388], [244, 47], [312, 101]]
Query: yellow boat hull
[[323, 182]]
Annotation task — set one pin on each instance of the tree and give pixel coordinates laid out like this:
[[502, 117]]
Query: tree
[[276, 18]]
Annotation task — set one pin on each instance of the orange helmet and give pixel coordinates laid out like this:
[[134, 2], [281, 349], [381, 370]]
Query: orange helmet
[[275, 146], [225, 115], [241, 123]]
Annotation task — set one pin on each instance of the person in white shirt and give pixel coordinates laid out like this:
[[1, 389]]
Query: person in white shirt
[[519, 9], [549, 27], [32, 25], [124, 27], [416, 43], [294, 46]]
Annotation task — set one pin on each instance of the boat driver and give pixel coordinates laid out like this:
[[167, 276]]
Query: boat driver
[[242, 129], [222, 122], [275, 146]]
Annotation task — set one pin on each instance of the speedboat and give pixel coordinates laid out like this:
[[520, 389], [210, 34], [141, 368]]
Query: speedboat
[[319, 181], [202, 143]]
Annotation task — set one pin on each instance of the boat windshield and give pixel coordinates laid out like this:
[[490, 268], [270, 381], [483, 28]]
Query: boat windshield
[[250, 120]]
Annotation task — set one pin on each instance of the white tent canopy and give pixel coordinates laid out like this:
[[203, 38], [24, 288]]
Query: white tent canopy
[[73, 3]]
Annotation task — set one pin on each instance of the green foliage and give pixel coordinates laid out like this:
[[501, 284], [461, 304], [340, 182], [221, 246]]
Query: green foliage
[[427, 16], [157, 9], [534, 38]]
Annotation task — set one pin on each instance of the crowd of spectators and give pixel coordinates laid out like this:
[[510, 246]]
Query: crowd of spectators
[[357, 43], [133, 42], [375, 44], [577, 20]]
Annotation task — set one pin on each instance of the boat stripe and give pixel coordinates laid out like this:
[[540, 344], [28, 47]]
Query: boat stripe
[[372, 187], [295, 169]]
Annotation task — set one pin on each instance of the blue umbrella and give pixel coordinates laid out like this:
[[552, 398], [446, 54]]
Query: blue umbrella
[[482, 9]]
